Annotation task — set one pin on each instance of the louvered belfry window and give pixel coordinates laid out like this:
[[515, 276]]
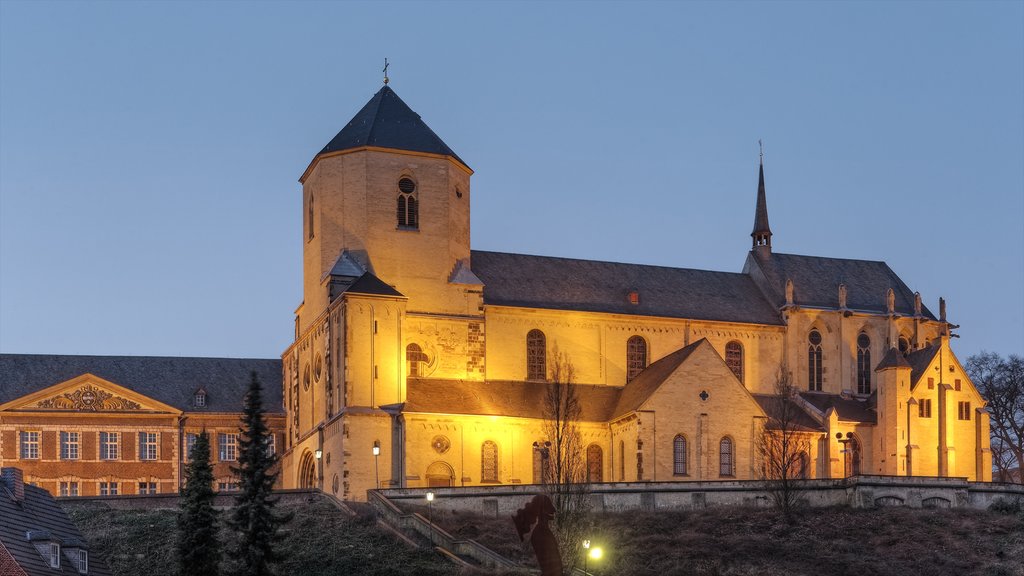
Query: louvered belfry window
[[636, 356], [536, 356], [734, 359], [408, 208]]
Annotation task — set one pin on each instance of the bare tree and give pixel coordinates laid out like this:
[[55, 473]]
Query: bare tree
[[783, 447], [1001, 382], [566, 480]]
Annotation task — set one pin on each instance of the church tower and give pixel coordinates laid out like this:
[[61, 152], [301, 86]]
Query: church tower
[[762, 233], [386, 195]]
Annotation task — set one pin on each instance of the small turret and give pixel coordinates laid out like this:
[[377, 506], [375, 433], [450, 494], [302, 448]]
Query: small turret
[[762, 233]]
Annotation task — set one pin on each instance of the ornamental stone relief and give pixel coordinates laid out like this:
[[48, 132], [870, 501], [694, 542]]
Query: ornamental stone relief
[[88, 398]]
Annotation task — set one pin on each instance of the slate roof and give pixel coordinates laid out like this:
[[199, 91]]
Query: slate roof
[[640, 388], [388, 122], [39, 511], [893, 359], [800, 419], [171, 380], [593, 286], [919, 361], [816, 282], [848, 409], [761, 212], [502, 398]]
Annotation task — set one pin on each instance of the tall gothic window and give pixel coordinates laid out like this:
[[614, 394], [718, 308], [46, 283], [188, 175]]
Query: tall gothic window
[[679, 455], [536, 356], [734, 359], [636, 356], [863, 364], [726, 462], [408, 210], [814, 371], [904, 345], [595, 463], [622, 460], [489, 462], [310, 218], [416, 359]]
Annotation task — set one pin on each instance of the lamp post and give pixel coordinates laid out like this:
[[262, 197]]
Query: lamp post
[[845, 450], [586, 552], [910, 450], [430, 515], [376, 453], [319, 467]]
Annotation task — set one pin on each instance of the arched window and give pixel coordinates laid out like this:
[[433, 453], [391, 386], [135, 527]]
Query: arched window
[[734, 359], [307, 471], [536, 356], [622, 460], [904, 345], [679, 455], [863, 364], [489, 462], [814, 371], [726, 462], [440, 474], [636, 356], [310, 218], [408, 211], [595, 463], [416, 359]]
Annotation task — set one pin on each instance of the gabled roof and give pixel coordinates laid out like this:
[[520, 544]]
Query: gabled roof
[[39, 512], [593, 286], [370, 284], [816, 282], [920, 360], [502, 398], [171, 380], [388, 122], [639, 389], [776, 409], [848, 409]]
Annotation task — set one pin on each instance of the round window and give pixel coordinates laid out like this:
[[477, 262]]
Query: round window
[[334, 484], [407, 186], [441, 444], [814, 337], [863, 341], [305, 377], [318, 368]]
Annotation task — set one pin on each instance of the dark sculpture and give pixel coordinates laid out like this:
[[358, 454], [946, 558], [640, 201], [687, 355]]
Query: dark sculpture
[[533, 519]]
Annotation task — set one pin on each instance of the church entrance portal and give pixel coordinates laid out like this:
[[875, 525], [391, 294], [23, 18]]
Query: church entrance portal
[[307, 471], [440, 474]]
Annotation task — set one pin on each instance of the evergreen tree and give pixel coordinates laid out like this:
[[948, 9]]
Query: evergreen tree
[[253, 517], [198, 547]]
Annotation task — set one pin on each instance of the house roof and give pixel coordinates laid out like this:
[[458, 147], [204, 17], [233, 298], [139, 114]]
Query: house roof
[[645, 384], [816, 282], [370, 284], [920, 360], [593, 286], [781, 410], [893, 359], [40, 514], [388, 122], [171, 380], [848, 409], [502, 398]]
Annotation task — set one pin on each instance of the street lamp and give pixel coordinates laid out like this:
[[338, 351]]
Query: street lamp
[[586, 552], [430, 515], [845, 450], [376, 453]]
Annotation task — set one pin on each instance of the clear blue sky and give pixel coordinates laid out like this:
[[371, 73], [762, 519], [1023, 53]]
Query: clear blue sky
[[149, 152]]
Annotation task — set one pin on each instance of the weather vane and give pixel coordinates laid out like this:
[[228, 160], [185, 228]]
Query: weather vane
[[759, 143], [386, 70]]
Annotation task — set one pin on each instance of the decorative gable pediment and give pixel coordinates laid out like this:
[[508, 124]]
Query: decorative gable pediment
[[87, 393]]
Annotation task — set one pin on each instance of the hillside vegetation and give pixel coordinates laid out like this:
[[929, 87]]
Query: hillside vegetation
[[755, 541], [319, 541]]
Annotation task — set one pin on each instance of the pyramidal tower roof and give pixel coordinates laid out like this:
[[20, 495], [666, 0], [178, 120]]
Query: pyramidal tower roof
[[388, 122]]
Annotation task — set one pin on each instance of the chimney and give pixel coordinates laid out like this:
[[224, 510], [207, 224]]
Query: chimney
[[14, 481]]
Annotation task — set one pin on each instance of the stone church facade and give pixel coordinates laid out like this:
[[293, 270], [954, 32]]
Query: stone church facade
[[418, 361]]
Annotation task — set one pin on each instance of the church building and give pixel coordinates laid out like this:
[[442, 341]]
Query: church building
[[419, 361]]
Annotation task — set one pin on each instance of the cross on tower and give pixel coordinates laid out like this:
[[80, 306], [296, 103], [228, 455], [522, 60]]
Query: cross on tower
[[386, 70]]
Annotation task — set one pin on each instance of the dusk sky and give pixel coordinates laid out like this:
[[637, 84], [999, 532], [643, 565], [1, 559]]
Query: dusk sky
[[150, 152]]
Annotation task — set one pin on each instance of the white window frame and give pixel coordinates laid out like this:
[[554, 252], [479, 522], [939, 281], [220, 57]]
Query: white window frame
[[54, 555], [109, 489], [83, 562], [29, 444], [70, 445], [110, 445], [227, 451], [69, 488], [148, 487], [149, 446]]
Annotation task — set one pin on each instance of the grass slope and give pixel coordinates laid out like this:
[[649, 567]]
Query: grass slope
[[319, 541], [755, 541]]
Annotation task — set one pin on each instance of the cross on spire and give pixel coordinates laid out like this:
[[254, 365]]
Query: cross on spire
[[386, 70]]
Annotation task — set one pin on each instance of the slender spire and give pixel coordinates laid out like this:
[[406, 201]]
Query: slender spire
[[762, 234]]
